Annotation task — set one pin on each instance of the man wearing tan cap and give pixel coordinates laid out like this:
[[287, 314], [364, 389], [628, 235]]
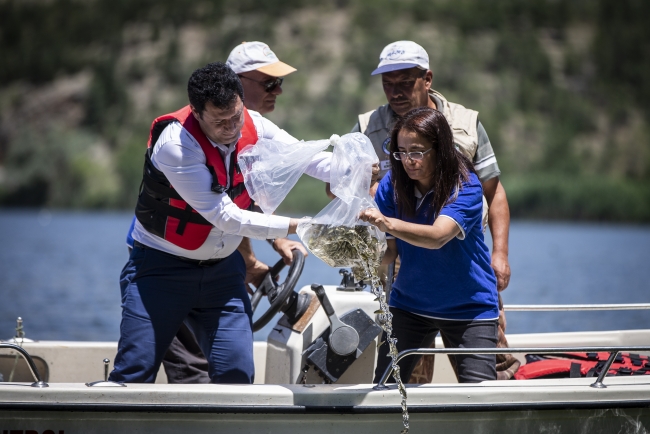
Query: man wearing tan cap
[[261, 74]]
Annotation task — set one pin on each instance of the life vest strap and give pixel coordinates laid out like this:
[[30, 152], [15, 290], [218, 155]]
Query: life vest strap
[[234, 192], [178, 213], [161, 189], [183, 222], [216, 187]]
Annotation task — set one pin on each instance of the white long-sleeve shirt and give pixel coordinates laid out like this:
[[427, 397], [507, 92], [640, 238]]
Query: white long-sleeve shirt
[[180, 157]]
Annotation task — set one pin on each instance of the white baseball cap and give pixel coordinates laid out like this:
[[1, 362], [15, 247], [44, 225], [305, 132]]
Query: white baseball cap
[[251, 56], [402, 55]]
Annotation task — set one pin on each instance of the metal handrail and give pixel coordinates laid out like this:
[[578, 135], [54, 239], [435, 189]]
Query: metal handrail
[[564, 307], [30, 362], [613, 352]]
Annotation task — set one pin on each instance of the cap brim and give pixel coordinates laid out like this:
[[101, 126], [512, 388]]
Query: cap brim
[[394, 67], [277, 69]]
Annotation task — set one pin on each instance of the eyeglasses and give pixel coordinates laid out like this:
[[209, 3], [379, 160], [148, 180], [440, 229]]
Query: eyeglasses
[[269, 85], [414, 156]]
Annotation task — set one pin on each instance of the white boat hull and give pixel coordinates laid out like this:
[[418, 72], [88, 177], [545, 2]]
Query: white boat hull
[[351, 405], [567, 406]]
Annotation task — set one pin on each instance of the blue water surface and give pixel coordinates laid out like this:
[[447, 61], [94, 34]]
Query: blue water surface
[[59, 271]]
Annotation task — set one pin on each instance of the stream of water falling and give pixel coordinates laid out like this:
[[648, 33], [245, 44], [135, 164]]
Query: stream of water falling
[[385, 320]]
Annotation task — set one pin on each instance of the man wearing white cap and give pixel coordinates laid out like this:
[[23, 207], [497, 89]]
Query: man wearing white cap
[[261, 72], [406, 80]]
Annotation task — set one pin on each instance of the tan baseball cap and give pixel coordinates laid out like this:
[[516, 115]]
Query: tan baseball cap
[[251, 56]]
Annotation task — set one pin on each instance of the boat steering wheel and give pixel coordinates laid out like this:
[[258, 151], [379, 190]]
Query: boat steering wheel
[[278, 293]]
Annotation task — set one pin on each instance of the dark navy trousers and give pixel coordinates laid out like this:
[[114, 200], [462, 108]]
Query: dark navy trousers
[[160, 291], [416, 331]]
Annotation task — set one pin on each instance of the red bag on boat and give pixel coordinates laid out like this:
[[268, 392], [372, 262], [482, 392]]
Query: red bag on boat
[[576, 365]]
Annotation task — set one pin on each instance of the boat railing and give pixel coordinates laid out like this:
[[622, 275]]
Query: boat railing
[[30, 363], [598, 384], [573, 307]]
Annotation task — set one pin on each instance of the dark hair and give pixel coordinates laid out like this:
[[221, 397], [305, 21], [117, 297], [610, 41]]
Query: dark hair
[[215, 82], [451, 168]]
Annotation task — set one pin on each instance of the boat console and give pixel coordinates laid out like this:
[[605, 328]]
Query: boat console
[[336, 344]]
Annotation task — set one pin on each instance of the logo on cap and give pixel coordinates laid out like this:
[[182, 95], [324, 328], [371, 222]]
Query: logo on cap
[[268, 53], [395, 53]]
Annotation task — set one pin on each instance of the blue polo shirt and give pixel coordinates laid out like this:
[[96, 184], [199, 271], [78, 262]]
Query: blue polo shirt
[[455, 282]]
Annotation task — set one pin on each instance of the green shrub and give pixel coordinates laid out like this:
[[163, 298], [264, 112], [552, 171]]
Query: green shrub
[[549, 196]]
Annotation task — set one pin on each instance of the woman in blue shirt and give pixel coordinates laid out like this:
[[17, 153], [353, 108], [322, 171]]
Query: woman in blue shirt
[[431, 203]]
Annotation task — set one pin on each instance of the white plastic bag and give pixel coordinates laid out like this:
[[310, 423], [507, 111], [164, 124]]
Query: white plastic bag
[[271, 169], [350, 175]]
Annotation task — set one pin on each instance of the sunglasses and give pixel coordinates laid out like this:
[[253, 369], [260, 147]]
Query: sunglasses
[[414, 156], [269, 85]]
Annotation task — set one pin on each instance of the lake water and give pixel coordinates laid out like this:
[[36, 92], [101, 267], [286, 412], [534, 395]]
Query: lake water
[[59, 271]]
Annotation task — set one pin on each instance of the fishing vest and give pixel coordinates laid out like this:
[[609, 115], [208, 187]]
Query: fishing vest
[[162, 211], [577, 365], [377, 125]]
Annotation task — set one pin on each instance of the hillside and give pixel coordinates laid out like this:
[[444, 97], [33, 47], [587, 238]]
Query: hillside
[[562, 89]]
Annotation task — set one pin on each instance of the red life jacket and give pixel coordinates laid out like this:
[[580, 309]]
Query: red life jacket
[[162, 211], [576, 365]]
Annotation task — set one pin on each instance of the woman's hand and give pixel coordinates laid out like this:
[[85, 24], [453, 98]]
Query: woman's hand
[[428, 236], [375, 217]]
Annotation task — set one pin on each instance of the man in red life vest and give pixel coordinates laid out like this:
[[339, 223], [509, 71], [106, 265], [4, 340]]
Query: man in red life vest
[[192, 213], [261, 74]]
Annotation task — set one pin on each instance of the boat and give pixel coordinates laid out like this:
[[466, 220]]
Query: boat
[[309, 378]]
